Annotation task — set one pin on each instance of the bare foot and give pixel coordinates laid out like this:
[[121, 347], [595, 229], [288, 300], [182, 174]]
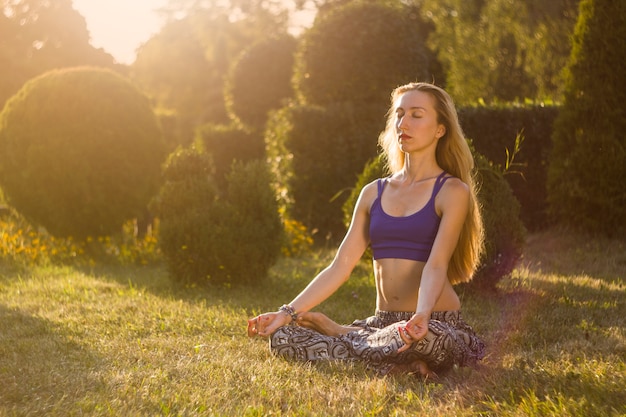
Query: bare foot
[[416, 368], [321, 323]]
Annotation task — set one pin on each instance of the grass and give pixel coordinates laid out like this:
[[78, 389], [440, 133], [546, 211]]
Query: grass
[[123, 340]]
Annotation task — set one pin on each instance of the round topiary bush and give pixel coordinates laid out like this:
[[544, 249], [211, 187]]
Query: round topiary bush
[[358, 52], [80, 151], [211, 236], [504, 231], [260, 80]]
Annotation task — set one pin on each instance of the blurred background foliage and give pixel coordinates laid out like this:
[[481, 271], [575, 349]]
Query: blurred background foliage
[[241, 80]]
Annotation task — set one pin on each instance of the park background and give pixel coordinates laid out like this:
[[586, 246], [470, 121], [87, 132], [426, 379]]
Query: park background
[[149, 209]]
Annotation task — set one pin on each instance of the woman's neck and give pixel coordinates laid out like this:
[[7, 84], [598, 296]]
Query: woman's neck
[[419, 169]]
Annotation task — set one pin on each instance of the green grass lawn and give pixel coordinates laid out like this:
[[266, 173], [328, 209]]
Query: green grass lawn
[[125, 341]]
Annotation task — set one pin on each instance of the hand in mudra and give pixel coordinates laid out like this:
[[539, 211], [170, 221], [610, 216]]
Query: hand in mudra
[[414, 330], [265, 324]]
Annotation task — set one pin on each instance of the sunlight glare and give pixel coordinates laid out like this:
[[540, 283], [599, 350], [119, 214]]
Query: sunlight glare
[[120, 26]]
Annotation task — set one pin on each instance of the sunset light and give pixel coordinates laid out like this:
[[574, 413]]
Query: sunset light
[[120, 26]]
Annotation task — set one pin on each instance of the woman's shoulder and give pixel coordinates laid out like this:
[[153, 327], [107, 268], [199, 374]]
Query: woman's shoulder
[[454, 184], [372, 187], [452, 191], [378, 182], [370, 191]]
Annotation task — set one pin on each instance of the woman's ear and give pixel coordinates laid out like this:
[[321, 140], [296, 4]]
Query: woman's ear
[[441, 130]]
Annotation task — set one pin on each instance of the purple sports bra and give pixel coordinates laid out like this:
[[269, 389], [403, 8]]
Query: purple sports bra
[[410, 237]]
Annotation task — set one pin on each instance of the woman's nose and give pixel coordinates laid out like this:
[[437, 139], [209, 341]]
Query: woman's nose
[[400, 122]]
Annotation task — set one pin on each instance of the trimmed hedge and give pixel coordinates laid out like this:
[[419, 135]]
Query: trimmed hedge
[[315, 154], [493, 130], [80, 151]]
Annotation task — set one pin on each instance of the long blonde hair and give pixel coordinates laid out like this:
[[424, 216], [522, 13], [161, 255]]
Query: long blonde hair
[[453, 156]]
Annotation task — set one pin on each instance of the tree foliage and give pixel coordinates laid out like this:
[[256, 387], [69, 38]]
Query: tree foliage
[[502, 50], [80, 151], [183, 67], [39, 35], [360, 51], [588, 160], [260, 80], [173, 69]]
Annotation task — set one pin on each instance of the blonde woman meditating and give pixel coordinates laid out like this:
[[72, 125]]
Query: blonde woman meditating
[[424, 226]]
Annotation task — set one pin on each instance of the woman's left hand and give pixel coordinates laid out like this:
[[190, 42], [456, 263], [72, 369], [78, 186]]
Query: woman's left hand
[[267, 323], [414, 330]]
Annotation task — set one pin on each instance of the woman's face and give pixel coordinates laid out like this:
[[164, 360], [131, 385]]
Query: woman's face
[[416, 121]]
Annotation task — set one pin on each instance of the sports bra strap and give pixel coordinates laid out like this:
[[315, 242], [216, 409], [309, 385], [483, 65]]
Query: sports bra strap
[[441, 179], [381, 185]]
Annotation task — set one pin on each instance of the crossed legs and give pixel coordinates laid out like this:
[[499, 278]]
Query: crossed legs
[[324, 325]]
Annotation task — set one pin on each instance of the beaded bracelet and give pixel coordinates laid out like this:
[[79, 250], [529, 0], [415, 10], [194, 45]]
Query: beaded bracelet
[[290, 311]]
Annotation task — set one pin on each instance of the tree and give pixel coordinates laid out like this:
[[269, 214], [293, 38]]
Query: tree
[[588, 159], [260, 80], [80, 151], [37, 36], [347, 55], [183, 68], [172, 68], [497, 50]]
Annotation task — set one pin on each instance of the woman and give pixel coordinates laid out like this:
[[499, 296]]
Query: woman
[[425, 229]]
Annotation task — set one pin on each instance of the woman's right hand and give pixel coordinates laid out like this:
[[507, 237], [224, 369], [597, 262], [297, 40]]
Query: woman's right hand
[[267, 323]]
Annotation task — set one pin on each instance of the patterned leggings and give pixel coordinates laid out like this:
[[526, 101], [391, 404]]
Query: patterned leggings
[[450, 341]]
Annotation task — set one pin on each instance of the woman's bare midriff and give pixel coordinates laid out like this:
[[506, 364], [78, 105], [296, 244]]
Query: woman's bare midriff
[[398, 286]]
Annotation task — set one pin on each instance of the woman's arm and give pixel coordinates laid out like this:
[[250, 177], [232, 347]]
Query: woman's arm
[[453, 204], [334, 275]]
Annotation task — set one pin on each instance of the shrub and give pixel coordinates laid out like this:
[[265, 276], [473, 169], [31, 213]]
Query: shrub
[[588, 161], [505, 234], [80, 151], [316, 153], [208, 236], [251, 228], [504, 231], [185, 209], [260, 80], [360, 52]]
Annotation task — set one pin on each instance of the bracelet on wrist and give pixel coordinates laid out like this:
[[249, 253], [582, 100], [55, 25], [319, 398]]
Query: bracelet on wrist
[[290, 311]]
